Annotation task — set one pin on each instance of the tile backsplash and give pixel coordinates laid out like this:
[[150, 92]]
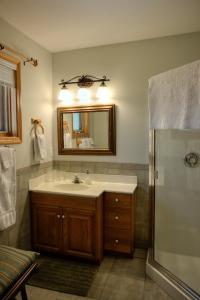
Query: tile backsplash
[[19, 235]]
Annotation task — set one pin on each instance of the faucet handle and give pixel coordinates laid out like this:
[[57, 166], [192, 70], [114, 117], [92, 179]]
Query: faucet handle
[[76, 179]]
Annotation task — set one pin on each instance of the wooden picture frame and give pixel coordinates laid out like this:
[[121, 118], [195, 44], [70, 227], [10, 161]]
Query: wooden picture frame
[[111, 150], [7, 138]]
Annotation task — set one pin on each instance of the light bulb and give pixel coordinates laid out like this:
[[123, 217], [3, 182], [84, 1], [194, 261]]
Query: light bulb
[[65, 95], [103, 92], [84, 95]]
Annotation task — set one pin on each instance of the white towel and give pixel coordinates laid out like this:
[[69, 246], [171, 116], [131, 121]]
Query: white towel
[[6, 157], [67, 140], [39, 147], [87, 143], [7, 187], [174, 98]]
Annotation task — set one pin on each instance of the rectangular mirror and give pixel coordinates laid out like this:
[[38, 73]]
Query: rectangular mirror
[[10, 112], [86, 130]]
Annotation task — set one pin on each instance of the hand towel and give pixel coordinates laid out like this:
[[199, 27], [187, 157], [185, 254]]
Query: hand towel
[[7, 188], [42, 146], [67, 140], [6, 157], [174, 98], [39, 147]]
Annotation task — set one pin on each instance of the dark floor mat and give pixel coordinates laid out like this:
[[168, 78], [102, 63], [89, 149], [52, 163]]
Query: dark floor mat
[[64, 275]]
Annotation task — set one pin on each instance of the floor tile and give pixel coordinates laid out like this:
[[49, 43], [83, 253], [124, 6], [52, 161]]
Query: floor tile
[[101, 277], [131, 268], [140, 253], [35, 293], [118, 278], [119, 288], [152, 291]]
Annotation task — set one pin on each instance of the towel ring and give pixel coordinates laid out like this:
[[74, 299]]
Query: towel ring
[[37, 123]]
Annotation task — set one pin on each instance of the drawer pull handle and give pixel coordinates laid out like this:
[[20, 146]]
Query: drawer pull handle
[[116, 200], [116, 241], [63, 216], [116, 218], [58, 216]]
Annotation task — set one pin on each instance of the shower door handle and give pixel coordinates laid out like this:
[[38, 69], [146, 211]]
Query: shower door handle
[[192, 160], [156, 174]]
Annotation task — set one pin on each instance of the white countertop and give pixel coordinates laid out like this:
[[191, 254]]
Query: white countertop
[[58, 182]]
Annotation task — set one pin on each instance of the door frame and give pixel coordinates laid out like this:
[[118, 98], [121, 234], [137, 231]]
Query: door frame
[[151, 258]]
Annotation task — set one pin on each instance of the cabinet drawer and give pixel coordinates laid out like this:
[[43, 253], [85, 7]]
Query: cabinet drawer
[[117, 200], [118, 240], [118, 218]]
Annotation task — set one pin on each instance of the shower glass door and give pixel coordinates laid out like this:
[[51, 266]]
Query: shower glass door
[[177, 204]]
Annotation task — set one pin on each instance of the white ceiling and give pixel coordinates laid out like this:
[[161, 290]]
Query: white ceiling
[[61, 25]]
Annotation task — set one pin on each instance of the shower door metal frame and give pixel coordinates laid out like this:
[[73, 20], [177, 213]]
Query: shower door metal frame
[[152, 176]]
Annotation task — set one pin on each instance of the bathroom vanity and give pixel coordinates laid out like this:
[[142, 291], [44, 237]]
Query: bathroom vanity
[[83, 220], [70, 225]]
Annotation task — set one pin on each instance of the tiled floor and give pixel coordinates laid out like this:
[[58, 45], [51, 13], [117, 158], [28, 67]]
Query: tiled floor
[[117, 279]]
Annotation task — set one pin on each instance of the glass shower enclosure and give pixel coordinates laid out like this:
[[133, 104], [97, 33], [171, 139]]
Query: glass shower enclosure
[[176, 206]]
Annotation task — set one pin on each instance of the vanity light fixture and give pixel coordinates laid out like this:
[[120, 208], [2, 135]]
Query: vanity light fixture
[[83, 82], [103, 92], [84, 94], [64, 94]]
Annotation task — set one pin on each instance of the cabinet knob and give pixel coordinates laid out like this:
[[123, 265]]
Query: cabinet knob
[[116, 217], [116, 241], [116, 200], [63, 216], [58, 216]]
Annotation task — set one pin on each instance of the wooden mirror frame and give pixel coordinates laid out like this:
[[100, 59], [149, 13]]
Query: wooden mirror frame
[[98, 151], [7, 138]]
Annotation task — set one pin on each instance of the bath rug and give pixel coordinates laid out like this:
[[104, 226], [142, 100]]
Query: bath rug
[[64, 275]]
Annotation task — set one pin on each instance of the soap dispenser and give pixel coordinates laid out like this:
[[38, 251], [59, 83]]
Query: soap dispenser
[[87, 178]]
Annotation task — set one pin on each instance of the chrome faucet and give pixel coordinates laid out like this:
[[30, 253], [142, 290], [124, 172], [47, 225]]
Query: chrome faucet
[[76, 179]]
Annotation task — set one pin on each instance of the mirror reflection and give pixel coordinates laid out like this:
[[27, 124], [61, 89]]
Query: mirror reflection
[[86, 130]]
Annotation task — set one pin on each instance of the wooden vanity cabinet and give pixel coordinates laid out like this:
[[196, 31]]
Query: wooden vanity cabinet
[[79, 233], [46, 227], [83, 226], [119, 222], [69, 225]]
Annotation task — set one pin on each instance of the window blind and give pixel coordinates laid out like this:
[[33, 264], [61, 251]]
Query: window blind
[[7, 96], [7, 72]]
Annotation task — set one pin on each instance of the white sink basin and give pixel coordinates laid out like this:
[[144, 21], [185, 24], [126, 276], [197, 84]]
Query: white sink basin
[[72, 186]]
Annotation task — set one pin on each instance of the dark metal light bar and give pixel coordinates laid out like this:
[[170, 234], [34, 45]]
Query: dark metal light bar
[[84, 80]]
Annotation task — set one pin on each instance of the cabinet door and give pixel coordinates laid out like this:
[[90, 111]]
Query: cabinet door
[[47, 227], [79, 233]]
